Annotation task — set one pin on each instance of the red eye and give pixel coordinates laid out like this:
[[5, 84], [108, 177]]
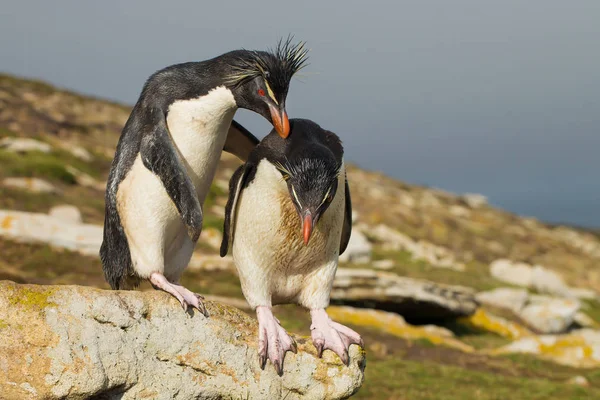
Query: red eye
[[261, 92]]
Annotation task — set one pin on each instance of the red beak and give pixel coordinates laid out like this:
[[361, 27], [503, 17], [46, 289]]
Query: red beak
[[280, 121], [307, 226]]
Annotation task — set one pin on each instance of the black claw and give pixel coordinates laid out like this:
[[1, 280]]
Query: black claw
[[345, 359], [203, 309], [279, 367], [199, 296], [262, 361], [294, 348], [184, 305], [320, 348]]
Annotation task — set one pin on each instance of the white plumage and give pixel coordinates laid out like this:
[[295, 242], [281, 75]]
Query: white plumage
[[157, 237]]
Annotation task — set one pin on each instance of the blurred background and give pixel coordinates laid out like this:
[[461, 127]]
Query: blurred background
[[472, 127]]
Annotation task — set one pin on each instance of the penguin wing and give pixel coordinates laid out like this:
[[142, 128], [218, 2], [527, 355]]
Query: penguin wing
[[240, 142], [347, 227], [160, 156], [236, 185]]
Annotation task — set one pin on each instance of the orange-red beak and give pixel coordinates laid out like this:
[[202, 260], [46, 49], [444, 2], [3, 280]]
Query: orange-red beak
[[280, 121], [307, 227]]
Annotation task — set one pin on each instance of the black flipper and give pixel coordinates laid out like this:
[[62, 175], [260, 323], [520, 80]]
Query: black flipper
[[240, 142], [160, 156], [347, 228], [236, 185]]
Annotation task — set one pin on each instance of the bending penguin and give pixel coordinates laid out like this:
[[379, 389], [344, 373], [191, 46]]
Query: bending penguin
[[288, 217], [168, 153]]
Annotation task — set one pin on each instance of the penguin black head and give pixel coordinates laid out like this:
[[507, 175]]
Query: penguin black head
[[260, 80], [311, 174]]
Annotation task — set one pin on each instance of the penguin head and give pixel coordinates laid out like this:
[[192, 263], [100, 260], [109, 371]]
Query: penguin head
[[259, 81], [311, 175]]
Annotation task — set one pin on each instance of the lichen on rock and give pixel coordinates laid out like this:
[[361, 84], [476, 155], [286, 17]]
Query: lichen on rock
[[77, 342]]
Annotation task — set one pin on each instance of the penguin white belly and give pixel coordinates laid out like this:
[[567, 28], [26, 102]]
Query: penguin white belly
[[274, 264], [157, 238]]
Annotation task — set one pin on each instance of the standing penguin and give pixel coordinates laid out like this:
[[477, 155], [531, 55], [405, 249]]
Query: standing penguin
[[167, 156], [288, 218]]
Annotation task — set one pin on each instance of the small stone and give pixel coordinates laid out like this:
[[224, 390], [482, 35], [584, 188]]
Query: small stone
[[506, 298], [579, 381], [383, 264], [67, 213], [24, 145], [33, 185], [519, 274], [550, 315], [584, 320], [359, 249], [474, 200], [80, 153]]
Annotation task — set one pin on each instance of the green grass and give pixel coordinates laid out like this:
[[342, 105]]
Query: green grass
[[401, 379], [35, 164]]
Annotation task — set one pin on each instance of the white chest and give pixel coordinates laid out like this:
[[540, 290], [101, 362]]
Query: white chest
[[268, 248], [199, 129]]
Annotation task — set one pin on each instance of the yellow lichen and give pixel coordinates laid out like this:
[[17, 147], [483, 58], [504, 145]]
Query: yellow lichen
[[392, 324], [32, 298], [490, 323], [7, 222]]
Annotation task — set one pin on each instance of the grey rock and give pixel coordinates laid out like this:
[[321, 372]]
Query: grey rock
[[76, 342], [506, 298], [359, 249], [414, 299], [33, 185], [550, 314], [24, 145], [42, 228], [66, 213]]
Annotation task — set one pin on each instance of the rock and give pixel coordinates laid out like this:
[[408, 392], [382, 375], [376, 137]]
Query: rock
[[67, 213], [24, 145], [415, 299], [383, 264], [584, 294], [459, 211], [33, 227], [85, 180], [537, 278], [394, 324], [519, 274], [579, 381], [79, 342], [546, 281], [583, 320], [550, 315], [80, 153], [483, 321], [434, 255], [474, 200], [359, 249], [579, 349], [34, 185], [506, 298]]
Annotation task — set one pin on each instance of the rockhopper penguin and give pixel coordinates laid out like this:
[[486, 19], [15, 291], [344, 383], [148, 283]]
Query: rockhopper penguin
[[288, 218], [168, 153]]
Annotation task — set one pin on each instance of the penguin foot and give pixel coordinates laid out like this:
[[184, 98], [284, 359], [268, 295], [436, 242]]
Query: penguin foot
[[273, 340], [327, 334], [185, 297]]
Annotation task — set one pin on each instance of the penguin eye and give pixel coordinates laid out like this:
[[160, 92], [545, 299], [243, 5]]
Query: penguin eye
[[261, 93]]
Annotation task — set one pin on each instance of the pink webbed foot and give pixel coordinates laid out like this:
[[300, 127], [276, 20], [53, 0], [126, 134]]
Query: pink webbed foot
[[273, 340], [327, 334], [185, 297]]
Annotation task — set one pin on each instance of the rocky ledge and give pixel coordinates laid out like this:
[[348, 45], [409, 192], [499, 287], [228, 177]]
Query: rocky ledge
[[78, 342]]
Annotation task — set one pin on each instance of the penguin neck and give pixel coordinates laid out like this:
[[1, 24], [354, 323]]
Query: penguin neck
[[199, 128]]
